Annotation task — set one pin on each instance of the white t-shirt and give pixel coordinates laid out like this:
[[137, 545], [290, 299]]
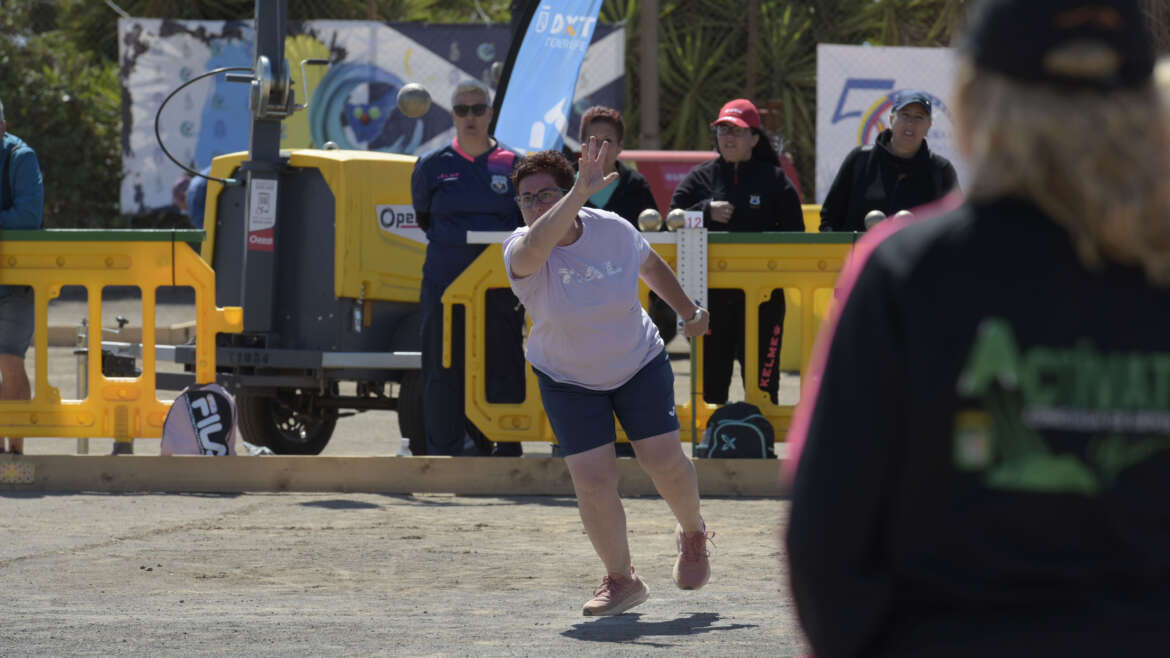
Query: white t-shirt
[[589, 328]]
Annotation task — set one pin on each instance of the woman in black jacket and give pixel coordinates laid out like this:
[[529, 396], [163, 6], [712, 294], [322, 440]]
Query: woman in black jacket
[[744, 189], [630, 194], [897, 172], [984, 437]]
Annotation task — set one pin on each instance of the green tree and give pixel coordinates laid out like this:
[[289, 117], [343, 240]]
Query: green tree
[[66, 104]]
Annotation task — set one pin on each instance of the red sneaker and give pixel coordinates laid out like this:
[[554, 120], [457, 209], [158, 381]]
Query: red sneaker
[[616, 595], [693, 568]]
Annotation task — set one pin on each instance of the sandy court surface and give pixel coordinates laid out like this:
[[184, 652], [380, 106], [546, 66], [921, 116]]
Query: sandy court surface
[[362, 574], [356, 575]]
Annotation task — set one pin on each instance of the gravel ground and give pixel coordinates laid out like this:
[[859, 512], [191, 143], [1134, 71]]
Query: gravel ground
[[341, 575], [157, 574]]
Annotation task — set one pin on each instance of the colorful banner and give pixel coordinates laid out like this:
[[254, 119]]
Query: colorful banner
[[855, 88], [539, 99], [352, 102]]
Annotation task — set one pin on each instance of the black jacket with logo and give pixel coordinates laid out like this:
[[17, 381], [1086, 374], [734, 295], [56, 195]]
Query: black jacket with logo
[[987, 460], [763, 197], [873, 178], [631, 197]]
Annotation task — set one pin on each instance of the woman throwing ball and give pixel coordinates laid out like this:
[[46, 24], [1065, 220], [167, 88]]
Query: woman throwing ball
[[597, 353]]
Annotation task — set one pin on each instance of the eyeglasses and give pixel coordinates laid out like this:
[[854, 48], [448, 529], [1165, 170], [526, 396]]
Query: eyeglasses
[[545, 196], [478, 109], [724, 129]]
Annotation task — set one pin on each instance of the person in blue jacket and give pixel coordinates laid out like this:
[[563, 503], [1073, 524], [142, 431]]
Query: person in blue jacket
[[465, 186], [22, 202]]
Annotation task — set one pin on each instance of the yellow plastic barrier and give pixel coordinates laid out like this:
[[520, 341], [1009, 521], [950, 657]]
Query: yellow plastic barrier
[[124, 408], [812, 217], [805, 266]]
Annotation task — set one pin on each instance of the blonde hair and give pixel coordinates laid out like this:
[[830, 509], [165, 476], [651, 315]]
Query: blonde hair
[[1096, 163]]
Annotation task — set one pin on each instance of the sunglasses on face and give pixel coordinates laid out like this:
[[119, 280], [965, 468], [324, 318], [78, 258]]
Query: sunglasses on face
[[545, 196], [478, 109], [725, 129]]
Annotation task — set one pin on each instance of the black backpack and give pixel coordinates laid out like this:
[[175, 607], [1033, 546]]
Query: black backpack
[[738, 431]]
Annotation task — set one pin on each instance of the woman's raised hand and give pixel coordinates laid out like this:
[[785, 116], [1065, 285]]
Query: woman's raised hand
[[591, 176]]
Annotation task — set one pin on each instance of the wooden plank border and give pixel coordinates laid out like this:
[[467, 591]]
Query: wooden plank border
[[494, 476]]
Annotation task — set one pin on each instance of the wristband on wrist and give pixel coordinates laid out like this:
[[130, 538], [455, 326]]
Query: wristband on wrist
[[697, 316]]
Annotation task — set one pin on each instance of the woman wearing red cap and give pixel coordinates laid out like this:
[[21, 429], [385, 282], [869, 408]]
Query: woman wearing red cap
[[744, 189]]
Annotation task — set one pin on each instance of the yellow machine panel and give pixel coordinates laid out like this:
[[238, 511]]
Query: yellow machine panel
[[375, 255], [378, 250]]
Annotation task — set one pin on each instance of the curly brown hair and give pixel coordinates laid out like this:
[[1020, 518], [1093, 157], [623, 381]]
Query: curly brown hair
[[603, 113], [544, 162]]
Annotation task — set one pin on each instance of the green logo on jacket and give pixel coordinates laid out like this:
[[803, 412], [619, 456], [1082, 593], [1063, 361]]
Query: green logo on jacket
[[1058, 420]]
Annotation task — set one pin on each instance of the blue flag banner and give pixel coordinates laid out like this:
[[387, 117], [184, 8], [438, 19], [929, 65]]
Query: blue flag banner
[[540, 93]]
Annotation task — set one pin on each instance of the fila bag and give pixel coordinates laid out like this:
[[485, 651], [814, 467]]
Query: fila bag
[[202, 421]]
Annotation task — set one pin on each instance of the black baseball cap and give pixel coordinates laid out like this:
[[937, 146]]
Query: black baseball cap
[[904, 98], [1041, 41]]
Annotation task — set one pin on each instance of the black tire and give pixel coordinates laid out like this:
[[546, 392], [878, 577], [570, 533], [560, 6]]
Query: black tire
[[410, 412], [288, 424]]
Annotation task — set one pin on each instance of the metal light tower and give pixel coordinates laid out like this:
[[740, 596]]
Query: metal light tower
[[270, 101]]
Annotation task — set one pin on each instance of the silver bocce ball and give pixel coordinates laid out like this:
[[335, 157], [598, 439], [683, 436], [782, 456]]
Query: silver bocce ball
[[414, 100], [873, 217], [650, 220]]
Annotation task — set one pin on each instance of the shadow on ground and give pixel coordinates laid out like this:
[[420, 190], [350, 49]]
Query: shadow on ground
[[117, 494], [473, 500], [340, 503], [630, 628]]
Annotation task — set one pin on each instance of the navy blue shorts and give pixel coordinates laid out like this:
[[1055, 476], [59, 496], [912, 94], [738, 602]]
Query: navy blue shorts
[[17, 317], [582, 419]]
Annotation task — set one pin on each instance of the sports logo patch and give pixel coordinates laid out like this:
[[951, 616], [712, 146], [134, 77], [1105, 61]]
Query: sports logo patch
[[499, 184], [201, 421], [754, 200]]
